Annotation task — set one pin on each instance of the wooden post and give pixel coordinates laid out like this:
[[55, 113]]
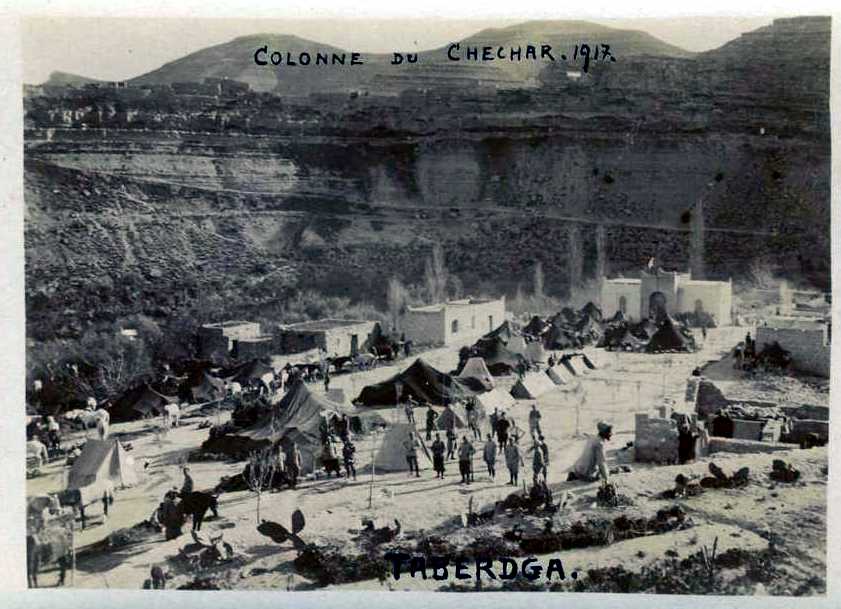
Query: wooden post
[[373, 459]]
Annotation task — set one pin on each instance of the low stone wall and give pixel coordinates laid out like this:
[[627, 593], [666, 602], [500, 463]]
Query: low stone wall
[[732, 445]]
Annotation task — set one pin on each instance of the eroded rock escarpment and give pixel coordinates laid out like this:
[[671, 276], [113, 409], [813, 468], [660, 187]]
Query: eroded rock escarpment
[[340, 192]]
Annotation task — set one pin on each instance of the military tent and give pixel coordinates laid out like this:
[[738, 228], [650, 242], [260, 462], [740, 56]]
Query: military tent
[[297, 417], [557, 337], [574, 364], [496, 399], [101, 466], [475, 368], [668, 338], [391, 456], [255, 370], [592, 311], [506, 331], [420, 382], [531, 386], [202, 387], [499, 360], [536, 326], [559, 374], [141, 401], [456, 414]]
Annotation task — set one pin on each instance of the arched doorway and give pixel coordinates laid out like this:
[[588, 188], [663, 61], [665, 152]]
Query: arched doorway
[[623, 305], [657, 306]]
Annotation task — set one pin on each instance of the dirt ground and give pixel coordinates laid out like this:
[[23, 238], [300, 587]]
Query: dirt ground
[[334, 508]]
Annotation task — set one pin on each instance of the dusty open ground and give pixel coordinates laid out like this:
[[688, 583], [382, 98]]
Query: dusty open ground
[[334, 508]]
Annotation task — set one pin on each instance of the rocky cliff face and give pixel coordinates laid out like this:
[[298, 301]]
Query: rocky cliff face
[[340, 193]]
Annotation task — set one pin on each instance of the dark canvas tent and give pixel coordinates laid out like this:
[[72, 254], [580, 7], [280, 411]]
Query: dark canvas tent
[[505, 331], [536, 326], [207, 388], [558, 338], [249, 372], [421, 382], [141, 401], [592, 311], [668, 338], [498, 358], [296, 417]]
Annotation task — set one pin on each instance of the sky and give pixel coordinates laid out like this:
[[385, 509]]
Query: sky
[[122, 48]]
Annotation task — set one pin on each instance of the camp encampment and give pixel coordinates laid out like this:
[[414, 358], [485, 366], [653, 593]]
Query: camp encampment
[[531, 386], [102, 466], [391, 456], [139, 402], [475, 368], [420, 382], [297, 417]]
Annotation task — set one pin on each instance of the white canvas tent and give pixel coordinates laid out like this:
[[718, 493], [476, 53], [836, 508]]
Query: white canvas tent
[[576, 366], [559, 374], [531, 386], [496, 399], [102, 466], [391, 456], [476, 368]]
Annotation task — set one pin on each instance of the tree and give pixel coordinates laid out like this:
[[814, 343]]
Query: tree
[[259, 473], [538, 280], [396, 299], [436, 275]]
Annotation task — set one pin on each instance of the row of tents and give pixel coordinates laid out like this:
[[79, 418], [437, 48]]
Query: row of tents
[[647, 336], [198, 384]]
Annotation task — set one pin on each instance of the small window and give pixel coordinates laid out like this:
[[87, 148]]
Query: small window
[[473, 323], [454, 327]]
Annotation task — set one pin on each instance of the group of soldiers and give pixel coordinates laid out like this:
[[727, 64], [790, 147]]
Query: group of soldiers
[[503, 438]]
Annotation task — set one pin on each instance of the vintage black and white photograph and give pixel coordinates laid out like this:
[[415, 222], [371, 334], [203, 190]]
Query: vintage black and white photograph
[[429, 305]]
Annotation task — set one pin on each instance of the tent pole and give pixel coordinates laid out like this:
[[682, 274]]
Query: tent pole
[[373, 459], [72, 552]]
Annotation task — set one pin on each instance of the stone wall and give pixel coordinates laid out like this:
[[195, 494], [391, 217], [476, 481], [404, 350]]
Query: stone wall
[[615, 289], [655, 439], [716, 298], [731, 445], [810, 350], [424, 327]]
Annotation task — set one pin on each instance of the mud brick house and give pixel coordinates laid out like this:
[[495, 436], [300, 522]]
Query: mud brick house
[[453, 321], [338, 337], [218, 339], [669, 292], [806, 340]]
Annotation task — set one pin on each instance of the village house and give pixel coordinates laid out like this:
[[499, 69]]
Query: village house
[[336, 337], [453, 321]]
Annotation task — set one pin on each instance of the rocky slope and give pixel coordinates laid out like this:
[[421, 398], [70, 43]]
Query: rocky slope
[[338, 192]]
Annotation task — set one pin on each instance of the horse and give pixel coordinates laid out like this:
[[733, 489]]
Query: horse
[[196, 504]]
